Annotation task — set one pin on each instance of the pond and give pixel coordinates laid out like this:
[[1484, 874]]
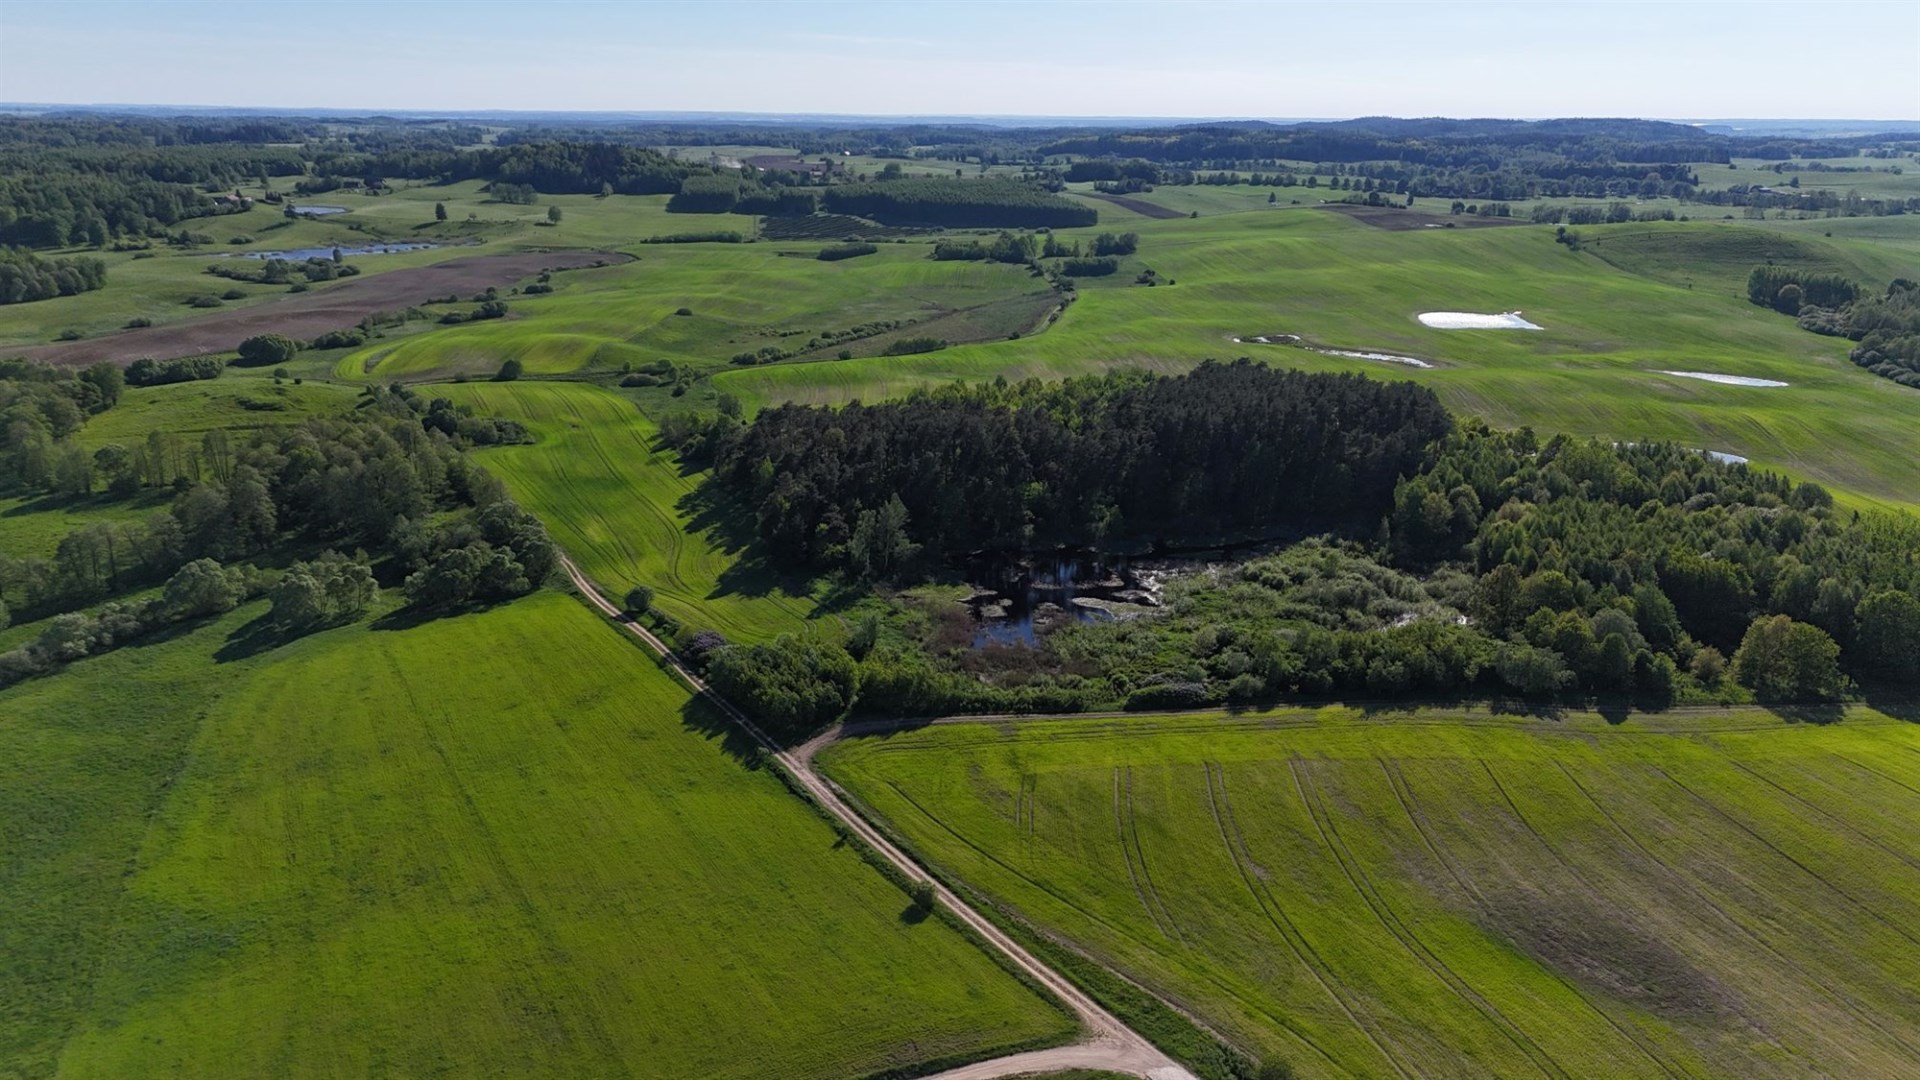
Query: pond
[[315, 211], [1475, 320], [303, 254], [1020, 599], [1724, 380]]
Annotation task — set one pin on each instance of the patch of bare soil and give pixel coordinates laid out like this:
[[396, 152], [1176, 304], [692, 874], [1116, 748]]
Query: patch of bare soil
[[1401, 219], [304, 316], [1138, 206], [1598, 948]]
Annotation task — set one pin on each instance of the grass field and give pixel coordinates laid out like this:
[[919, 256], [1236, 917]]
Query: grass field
[[628, 513], [155, 284], [499, 844], [234, 402], [1435, 894], [1592, 371], [742, 296]]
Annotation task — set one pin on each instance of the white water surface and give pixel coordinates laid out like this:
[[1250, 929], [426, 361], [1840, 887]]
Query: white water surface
[[1724, 380], [1472, 320]]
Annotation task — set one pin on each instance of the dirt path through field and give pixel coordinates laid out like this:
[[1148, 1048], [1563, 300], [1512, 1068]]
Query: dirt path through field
[[305, 316], [1108, 1044]]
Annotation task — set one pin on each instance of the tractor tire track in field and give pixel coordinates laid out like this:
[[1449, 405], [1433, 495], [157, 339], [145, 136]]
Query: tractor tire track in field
[[1838, 821], [1395, 927], [496, 861], [1128, 828], [1895, 781], [1777, 850], [669, 528], [937, 821], [1847, 1003], [1146, 872], [1126, 855], [1297, 943], [1403, 792], [1107, 1044]]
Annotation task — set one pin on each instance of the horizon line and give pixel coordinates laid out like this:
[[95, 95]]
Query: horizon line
[[922, 116]]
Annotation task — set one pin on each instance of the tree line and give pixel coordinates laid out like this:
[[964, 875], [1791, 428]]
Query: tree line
[[1229, 447], [984, 203], [25, 277], [1886, 326]]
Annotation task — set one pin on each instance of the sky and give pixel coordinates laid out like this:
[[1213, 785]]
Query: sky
[[1852, 59]]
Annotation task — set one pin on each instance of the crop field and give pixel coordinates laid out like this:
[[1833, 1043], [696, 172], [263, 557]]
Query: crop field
[[499, 844], [155, 284], [1430, 893], [628, 513], [1608, 333], [742, 298]]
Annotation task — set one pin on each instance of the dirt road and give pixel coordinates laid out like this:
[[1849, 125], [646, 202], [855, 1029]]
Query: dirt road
[[1108, 1044]]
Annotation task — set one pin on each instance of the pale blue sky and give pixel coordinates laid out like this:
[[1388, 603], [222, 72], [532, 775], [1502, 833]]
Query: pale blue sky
[[1811, 58]]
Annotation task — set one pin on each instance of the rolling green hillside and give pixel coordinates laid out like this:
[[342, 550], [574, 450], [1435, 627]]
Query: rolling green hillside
[[629, 514], [1594, 369], [498, 844], [1440, 894]]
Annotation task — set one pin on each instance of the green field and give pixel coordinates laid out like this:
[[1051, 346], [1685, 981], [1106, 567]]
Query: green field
[[505, 843], [498, 844], [1593, 370], [233, 402], [628, 513], [1442, 894], [155, 284], [742, 298]]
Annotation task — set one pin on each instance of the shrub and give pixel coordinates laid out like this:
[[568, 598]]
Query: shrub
[[639, 599], [1089, 267], [794, 684], [263, 349], [836, 252], [715, 237], [340, 339], [699, 645], [147, 371], [1169, 695], [912, 345]]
